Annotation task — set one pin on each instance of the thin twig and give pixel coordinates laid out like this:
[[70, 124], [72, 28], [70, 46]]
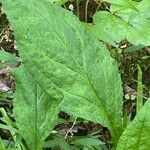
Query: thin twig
[[69, 131]]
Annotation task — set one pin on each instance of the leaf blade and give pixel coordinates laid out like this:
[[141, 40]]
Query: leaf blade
[[35, 112], [68, 65]]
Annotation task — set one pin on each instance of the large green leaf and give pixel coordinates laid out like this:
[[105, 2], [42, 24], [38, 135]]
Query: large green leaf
[[35, 111], [137, 135], [68, 63], [127, 20]]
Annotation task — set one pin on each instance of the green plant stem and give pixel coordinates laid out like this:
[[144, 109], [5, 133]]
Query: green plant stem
[[139, 102], [86, 10]]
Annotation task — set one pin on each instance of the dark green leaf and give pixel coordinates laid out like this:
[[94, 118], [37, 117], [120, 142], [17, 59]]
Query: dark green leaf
[[137, 135]]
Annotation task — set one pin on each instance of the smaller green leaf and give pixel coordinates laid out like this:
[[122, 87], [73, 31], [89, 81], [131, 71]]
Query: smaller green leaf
[[134, 48], [132, 24], [8, 128], [7, 59], [34, 110], [57, 142], [5, 118], [145, 57], [137, 134], [87, 142], [8, 56], [92, 148], [122, 5]]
